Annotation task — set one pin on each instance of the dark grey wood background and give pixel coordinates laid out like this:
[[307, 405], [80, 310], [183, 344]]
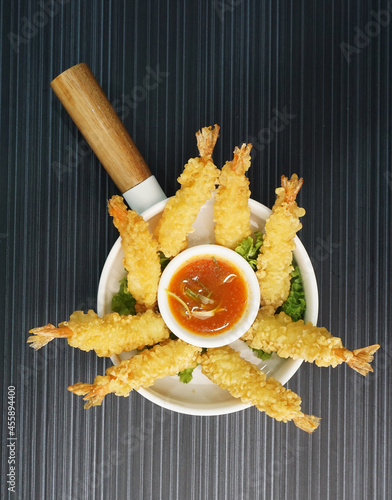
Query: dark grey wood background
[[308, 83]]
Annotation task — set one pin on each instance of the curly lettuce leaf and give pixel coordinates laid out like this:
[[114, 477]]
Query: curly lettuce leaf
[[295, 304], [123, 302], [186, 375], [163, 260], [261, 354], [249, 248]]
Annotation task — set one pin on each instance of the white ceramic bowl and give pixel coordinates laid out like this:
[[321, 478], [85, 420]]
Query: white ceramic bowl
[[200, 396], [243, 323]]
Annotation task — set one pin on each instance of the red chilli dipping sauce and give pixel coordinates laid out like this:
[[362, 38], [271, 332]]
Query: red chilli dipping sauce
[[207, 295]]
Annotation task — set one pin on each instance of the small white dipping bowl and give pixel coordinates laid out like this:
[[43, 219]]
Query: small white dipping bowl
[[241, 325]]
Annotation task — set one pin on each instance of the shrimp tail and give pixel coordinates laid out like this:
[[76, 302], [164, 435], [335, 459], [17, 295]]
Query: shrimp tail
[[291, 187], [307, 423], [361, 359], [206, 140], [93, 393], [118, 210], [241, 159], [44, 334]]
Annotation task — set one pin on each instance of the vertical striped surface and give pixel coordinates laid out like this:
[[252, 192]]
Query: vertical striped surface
[[325, 66]]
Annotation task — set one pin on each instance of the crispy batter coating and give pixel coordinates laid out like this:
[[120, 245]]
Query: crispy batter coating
[[109, 335], [197, 181], [169, 358], [231, 210], [296, 340], [141, 258], [274, 263], [242, 379]]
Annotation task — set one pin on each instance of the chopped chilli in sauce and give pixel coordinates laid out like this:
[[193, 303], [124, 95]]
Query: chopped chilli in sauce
[[207, 295]]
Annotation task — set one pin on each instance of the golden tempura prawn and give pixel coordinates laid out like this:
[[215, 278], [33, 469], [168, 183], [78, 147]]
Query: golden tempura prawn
[[109, 335], [243, 380], [274, 263], [197, 181], [299, 340], [141, 257], [168, 358], [231, 210]]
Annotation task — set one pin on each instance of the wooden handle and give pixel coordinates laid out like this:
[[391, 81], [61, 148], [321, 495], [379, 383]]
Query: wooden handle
[[89, 108]]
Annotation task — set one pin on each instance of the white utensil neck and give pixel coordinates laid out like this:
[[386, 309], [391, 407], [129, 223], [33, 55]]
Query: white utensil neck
[[144, 195]]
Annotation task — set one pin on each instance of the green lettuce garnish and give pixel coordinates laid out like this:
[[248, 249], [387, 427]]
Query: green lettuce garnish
[[164, 261], [261, 354], [249, 248], [295, 304], [186, 375], [123, 302]]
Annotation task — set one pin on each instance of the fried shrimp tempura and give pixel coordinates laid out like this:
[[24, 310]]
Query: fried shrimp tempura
[[242, 379], [141, 258], [197, 184], [274, 263], [231, 210], [296, 340], [169, 358], [109, 335]]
